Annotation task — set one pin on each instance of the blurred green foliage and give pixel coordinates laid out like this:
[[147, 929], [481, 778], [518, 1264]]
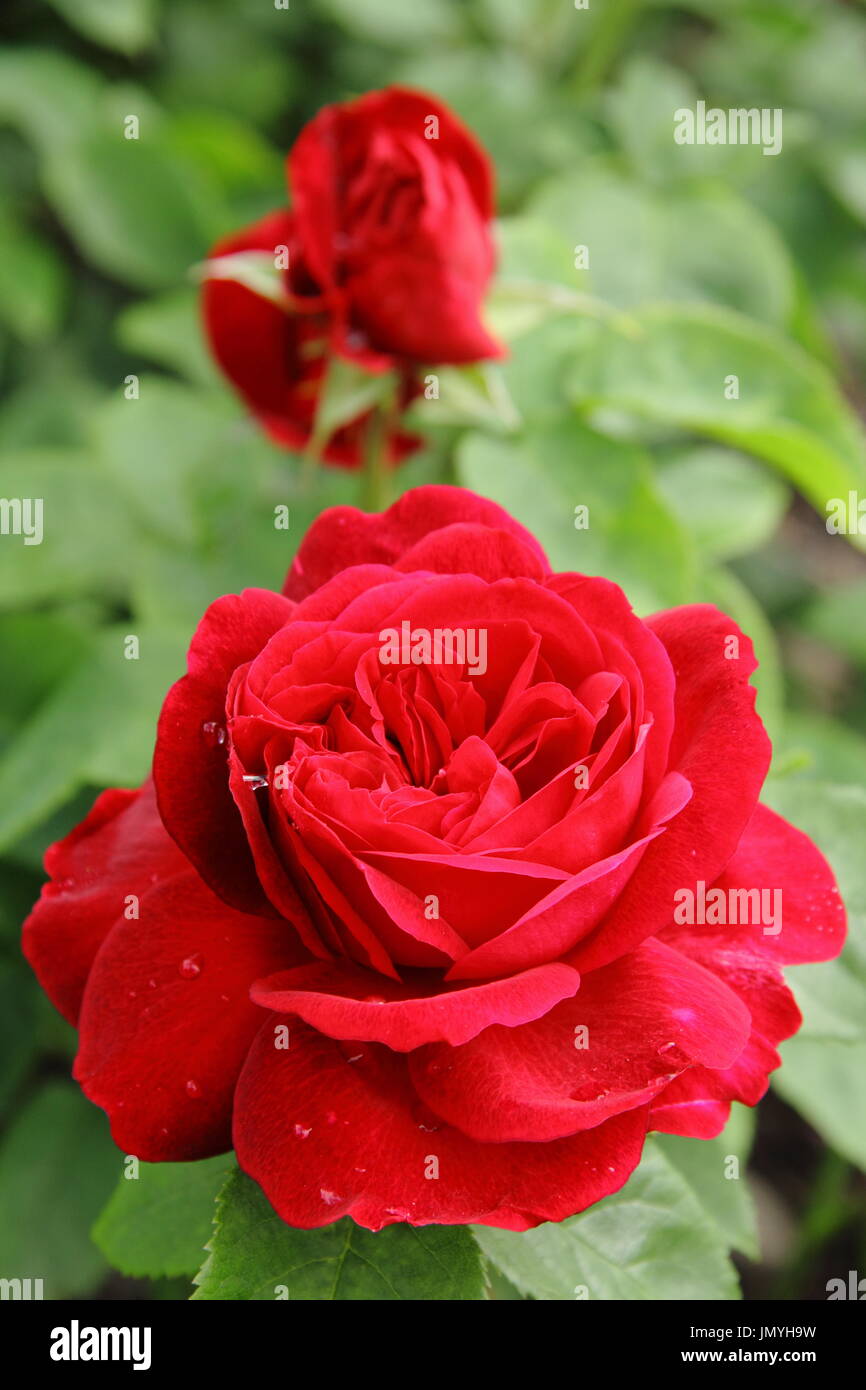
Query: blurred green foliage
[[704, 262]]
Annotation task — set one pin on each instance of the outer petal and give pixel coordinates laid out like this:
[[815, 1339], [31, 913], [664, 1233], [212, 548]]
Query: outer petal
[[331, 1130], [468, 548], [612, 1047], [189, 762], [348, 1002], [697, 1103], [119, 850], [343, 536], [719, 745], [254, 341], [774, 855], [167, 1020]]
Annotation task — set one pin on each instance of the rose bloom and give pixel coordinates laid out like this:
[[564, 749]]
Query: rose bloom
[[389, 256], [406, 935]]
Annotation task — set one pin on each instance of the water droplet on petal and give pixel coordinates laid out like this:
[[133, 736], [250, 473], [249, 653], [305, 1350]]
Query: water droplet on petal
[[255, 782], [193, 1089], [192, 966], [425, 1118], [435, 1068], [360, 1170], [303, 1130], [330, 1118], [329, 1198], [373, 999], [213, 734]]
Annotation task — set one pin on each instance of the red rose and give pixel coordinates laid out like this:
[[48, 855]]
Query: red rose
[[455, 882], [389, 253]]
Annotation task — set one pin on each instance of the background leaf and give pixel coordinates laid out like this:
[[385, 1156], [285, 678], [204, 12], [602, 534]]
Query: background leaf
[[651, 1240], [158, 1223], [57, 1166], [253, 1253]]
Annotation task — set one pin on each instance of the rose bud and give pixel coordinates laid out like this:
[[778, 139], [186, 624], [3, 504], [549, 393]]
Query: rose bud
[[382, 263]]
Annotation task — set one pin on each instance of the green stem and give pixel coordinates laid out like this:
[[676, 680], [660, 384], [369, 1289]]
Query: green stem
[[376, 476]]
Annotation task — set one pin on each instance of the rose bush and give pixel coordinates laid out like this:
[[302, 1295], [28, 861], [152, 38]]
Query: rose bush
[[453, 894], [389, 255]]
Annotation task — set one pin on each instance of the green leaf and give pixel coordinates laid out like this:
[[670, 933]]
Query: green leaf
[[789, 411], [35, 418], [729, 503], [835, 616], [32, 283], [721, 1189], [167, 330], [19, 1020], [631, 537], [348, 391], [57, 1166], [821, 748], [40, 649], [404, 26], [256, 1256], [474, 395], [536, 277], [136, 208], [87, 533], [237, 156], [823, 1065], [49, 97], [702, 244], [653, 1241], [822, 1078], [157, 1223], [158, 449], [112, 704], [537, 370], [125, 25]]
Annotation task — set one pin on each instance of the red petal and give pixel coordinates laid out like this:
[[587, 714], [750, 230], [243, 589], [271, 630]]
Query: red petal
[[343, 536], [167, 1020], [648, 1016], [118, 851], [334, 1129], [720, 746], [775, 855], [344, 1001], [189, 762], [341, 134]]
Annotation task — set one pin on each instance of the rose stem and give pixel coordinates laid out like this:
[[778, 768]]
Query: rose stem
[[376, 479]]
